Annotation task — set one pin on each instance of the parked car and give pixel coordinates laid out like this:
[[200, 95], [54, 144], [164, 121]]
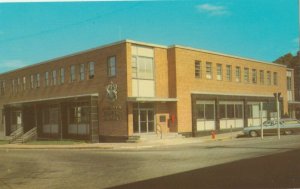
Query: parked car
[[287, 127]]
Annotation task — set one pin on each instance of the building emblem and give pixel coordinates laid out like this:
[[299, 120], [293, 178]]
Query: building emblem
[[112, 91]]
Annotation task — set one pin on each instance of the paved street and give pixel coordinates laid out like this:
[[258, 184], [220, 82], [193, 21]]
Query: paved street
[[238, 163]]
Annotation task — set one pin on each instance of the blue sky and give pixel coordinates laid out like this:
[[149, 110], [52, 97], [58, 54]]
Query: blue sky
[[258, 29]]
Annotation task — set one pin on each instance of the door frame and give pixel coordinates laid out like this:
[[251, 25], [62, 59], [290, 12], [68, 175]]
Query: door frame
[[147, 120]]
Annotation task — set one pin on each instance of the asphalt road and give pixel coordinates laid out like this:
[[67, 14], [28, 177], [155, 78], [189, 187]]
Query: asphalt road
[[240, 163]]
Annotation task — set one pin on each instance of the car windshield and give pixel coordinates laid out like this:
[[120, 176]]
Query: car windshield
[[269, 123]]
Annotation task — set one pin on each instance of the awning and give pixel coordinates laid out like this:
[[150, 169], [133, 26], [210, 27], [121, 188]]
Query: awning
[[51, 98], [151, 99]]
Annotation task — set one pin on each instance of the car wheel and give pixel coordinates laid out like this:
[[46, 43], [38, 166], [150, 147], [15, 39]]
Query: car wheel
[[253, 134], [288, 132]]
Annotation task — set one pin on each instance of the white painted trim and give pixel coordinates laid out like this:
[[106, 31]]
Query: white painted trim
[[145, 99], [53, 98], [230, 94]]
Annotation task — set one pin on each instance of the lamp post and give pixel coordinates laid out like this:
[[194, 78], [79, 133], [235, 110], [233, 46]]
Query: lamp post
[[277, 96]]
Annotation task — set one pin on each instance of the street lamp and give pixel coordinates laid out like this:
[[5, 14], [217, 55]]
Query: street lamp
[[277, 96]]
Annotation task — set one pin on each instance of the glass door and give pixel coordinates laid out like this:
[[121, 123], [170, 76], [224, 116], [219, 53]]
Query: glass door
[[143, 121]]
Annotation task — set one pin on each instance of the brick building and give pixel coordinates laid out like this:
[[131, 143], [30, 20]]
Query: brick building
[[130, 88]]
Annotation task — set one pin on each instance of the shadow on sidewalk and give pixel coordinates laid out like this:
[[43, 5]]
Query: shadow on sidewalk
[[273, 171]]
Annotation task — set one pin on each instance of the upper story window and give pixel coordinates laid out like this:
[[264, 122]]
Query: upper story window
[[254, 76], [24, 83], [246, 75], [62, 75], [46, 79], [228, 72], [238, 74], [198, 69], [219, 72], [262, 77], [111, 66], [134, 67], [82, 72], [72, 73], [268, 78], [31, 82], [91, 70], [289, 83], [38, 83], [209, 70], [145, 68], [2, 88], [19, 84], [275, 78], [54, 76], [13, 86]]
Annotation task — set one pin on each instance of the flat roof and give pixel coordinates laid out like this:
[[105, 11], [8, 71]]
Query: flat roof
[[143, 44]]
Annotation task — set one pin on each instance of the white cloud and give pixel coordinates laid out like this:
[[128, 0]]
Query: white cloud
[[213, 10], [12, 64]]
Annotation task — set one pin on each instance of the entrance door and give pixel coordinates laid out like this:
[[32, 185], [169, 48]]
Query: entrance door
[[143, 121]]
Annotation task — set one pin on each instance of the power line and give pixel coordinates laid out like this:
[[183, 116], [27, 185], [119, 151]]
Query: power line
[[43, 32]]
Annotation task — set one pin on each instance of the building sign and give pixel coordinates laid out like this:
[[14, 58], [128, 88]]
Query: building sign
[[112, 91], [112, 113]]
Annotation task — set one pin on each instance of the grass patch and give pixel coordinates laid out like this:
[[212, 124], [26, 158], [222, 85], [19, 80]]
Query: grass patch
[[3, 142], [54, 142]]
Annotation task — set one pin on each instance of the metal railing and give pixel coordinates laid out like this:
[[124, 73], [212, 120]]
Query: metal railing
[[159, 130], [16, 134], [29, 135]]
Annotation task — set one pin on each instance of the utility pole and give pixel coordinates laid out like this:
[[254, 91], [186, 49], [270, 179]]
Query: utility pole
[[277, 96], [261, 120]]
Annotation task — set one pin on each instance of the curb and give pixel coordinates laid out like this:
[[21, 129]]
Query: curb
[[116, 146]]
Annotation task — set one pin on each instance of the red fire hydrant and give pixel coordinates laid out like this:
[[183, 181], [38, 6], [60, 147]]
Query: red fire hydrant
[[213, 134]]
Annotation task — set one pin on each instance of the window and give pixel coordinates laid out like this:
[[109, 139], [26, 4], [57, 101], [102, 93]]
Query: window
[[111, 66], [238, 74], [219, 72], [72, 73], [24, 83], [246, 75], [254, 76], [275, 79], [134, 67], [231, 110], [31, 82], [19, 84], [38, 80], [2, 87], [208, 70], [262, 77], [13, 86], [62, 75], [145, 68], [289, 83], [198, 69], [54, 76], [268, 78], [82, 70], [91, 70], [46, 79], [228, 72], [205, 111]]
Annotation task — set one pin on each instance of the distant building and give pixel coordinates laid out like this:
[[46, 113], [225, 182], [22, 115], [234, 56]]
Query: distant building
[[130, 88]]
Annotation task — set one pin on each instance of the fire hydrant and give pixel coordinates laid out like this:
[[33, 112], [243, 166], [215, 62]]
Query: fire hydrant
[[213, 134]]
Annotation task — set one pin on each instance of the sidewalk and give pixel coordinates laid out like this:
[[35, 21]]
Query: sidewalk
[[120, 146]]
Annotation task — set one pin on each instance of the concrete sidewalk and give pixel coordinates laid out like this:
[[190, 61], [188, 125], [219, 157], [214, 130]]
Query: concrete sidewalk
[[120, 146]]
